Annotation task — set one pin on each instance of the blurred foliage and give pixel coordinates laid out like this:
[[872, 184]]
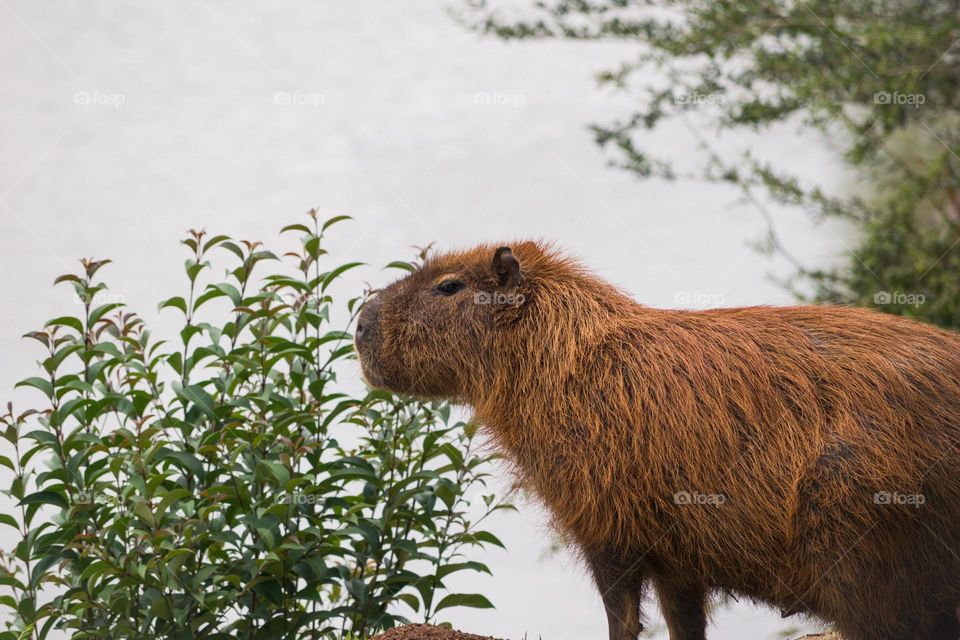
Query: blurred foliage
[[880, 77], [225, 484]]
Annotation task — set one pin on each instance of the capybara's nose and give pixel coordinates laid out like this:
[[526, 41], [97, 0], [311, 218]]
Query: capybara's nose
[[367, 322]]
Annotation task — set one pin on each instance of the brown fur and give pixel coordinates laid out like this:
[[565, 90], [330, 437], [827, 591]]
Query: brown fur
[[782, 424]]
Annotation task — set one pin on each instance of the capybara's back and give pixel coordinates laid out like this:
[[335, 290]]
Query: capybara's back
[[805, 457]]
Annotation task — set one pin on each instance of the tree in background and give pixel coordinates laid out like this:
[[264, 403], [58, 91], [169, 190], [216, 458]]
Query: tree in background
[[880, 75]]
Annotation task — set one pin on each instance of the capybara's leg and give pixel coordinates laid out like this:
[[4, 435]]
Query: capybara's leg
[[684, 608], [620, 583]]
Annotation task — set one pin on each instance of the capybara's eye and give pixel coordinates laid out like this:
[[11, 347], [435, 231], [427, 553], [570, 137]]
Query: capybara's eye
[[450, 287]]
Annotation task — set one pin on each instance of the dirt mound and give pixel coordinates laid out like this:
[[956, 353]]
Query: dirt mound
[[430, 632], [427, 632]]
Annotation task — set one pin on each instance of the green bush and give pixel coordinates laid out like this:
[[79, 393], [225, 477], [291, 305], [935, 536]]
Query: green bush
[[226, 484]]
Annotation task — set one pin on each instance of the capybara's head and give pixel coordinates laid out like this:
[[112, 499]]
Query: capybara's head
[[434, 332]]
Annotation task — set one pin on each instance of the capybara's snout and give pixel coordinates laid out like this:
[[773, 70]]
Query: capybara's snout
[[367, 339], [367, 322]]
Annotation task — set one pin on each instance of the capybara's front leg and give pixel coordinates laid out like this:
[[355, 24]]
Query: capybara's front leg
[[620, 583], [684, 608]]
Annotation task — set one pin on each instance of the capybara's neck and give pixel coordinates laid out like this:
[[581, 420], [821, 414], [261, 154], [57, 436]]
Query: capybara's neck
[[542, 364], [544, 401], [534, 357]]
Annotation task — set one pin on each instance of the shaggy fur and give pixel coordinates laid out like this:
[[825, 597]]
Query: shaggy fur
[[804, 457]]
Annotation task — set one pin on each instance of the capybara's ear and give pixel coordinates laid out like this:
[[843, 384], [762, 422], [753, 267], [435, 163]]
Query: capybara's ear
[[506, 268]]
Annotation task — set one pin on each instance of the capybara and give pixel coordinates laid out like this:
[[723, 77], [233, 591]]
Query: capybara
[[804, 457]]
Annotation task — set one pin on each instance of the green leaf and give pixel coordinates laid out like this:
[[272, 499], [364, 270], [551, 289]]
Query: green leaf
[[39, 570], [297, 227], [404, 266], [485, 537], [336, 273], [474, 600], [95, 265], [187, 461], [66, 321], [46, 497], [177, 494], [411, 600], [198, 396], [209, 294], [68, 277], [277, 470], [233, 248], [142, 509], [176, 302], [161, 608], [447, 569], [230, 291], [102, 310], [38, 383], [332, 221], [270, 589], [214, 241]]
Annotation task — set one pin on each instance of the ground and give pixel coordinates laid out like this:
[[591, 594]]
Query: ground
[[430, 632], [427, 632]]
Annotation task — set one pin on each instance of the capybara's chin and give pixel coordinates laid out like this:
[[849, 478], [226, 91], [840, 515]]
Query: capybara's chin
[[378, 376], [374, 377], [398, 383], [807, 457], [374, 374]]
